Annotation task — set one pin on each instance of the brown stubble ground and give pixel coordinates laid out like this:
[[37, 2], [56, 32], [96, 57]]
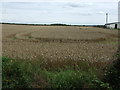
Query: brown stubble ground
[[59, 43]]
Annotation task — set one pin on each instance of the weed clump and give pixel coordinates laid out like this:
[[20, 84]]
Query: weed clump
[[15, 74], [112, 75], [35, 74], [71, 79]]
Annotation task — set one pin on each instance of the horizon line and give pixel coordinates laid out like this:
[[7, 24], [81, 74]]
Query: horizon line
[[48, 23]]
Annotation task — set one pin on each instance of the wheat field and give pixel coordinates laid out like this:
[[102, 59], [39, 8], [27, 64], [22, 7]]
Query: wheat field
[[59, 42]]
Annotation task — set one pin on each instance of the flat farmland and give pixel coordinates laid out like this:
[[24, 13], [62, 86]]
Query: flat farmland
[[58, 56], [59, 42]]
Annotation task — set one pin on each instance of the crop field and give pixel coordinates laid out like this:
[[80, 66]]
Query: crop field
[[60, 45], [59, 42]]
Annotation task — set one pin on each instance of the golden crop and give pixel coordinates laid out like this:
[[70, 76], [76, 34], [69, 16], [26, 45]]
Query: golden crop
[[59, 43]]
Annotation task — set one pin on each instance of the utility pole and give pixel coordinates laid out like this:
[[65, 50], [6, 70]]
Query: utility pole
[[106, 18]]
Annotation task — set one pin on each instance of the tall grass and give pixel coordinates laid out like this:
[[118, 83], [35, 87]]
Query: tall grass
[[112, 75], [40, 74], [15, 73]]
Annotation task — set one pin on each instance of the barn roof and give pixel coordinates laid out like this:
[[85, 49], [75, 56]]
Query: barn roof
[[112, 23]]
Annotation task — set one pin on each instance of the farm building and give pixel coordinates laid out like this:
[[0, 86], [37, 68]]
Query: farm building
[[115, 25], [119, 14]]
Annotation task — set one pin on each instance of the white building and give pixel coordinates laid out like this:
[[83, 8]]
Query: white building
[[115, 25], [119, 14]]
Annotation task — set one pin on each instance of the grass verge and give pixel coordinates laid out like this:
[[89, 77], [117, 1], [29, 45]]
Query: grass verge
[[38, 74], [112, 75]]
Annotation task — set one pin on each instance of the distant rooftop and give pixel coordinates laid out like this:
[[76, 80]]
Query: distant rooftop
[[112, 23]]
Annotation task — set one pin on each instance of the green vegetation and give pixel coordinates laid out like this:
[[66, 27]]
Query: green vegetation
[[15, 73], [74, 79], [37, 74], [14, 38], [112, 75], [27, 74], [56, 24]]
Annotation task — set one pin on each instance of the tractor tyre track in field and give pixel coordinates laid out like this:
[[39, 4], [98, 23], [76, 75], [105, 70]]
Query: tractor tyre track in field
[[26, 36], [70, 43]]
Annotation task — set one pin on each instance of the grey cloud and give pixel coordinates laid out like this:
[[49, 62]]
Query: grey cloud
[[59, 11], [74, 5], [81, 14]]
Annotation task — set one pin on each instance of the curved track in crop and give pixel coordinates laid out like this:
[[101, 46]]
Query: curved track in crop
[[66, 36], [59, 42]]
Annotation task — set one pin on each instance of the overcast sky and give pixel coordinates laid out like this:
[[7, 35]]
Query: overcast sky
[[60, 11]]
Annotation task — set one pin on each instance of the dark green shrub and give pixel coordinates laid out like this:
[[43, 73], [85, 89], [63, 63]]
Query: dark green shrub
[[71, 78], [15, 74], [25, 74], [112, 75]]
